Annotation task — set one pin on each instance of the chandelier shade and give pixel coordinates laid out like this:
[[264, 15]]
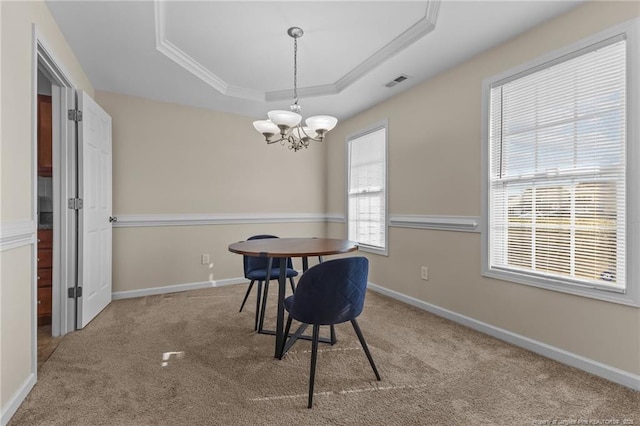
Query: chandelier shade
[[284, 118], [266, 127], [286, 124], [323, 123]]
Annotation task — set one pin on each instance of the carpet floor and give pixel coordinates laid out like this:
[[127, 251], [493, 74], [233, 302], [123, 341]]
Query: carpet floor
[[191, 359]]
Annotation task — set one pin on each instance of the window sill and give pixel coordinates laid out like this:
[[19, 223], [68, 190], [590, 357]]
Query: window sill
[[564, 287], [373, 250]]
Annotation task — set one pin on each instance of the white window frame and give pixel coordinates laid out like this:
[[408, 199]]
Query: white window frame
[[630, 30], [375, 127]]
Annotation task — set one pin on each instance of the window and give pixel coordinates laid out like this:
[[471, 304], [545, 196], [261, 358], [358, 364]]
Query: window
[[367, 188], [557, 169]]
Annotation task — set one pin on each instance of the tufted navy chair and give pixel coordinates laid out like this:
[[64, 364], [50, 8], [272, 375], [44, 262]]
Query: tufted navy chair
[[330, 293], [255, 269]]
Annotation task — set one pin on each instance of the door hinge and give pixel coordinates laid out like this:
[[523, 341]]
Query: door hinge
[[75, 115], [74, 292], [75, 203]]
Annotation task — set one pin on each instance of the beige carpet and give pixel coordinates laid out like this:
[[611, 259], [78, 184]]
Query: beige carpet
[[191, 359]]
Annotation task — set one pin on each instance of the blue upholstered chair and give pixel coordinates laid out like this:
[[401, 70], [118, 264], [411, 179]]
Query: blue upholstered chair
[[255, 269], [330, 293]]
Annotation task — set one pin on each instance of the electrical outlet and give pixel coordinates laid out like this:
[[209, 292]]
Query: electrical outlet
[[424, 273], [204, 259]]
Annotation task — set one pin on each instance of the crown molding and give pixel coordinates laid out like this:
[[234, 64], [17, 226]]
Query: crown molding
[[412, 34], [181, 58], [415, 32]]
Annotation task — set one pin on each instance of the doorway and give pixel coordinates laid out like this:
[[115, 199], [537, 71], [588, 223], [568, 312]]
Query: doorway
[[54, 178], [47, 342], [76, 203]]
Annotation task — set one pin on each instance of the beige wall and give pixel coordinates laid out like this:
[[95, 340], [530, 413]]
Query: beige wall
[[170, 159], [434, 169], [173, 159], [15, 327], [17, 52], [155, 257], [16, 174]]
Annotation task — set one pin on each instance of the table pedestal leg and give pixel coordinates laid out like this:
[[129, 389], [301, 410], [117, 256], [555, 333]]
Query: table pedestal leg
[[263, 308], [282, 288]]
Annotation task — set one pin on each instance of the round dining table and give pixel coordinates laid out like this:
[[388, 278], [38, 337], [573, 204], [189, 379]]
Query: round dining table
[[283, 248]]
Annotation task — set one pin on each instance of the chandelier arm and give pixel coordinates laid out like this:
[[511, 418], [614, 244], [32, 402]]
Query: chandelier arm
[[269, 142], [310, 137]]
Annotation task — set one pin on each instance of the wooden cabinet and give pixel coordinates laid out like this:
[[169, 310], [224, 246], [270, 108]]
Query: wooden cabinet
[[45, 152], [45, 261], [45, 236], [44, 305]]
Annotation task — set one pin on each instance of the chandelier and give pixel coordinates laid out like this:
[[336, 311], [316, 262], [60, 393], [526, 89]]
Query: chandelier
[[285, 125]]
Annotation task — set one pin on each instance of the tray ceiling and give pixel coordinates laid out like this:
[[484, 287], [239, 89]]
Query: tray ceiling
[[237, 56]]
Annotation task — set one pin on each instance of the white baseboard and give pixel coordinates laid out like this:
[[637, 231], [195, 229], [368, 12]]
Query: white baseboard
[[597, 368], [175, 288], [231, 281], [14, 403]]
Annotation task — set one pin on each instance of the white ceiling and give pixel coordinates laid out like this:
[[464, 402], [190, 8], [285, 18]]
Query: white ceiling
[[237, 57]]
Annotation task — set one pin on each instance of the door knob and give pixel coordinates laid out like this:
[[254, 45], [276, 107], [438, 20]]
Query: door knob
[[113, 219]]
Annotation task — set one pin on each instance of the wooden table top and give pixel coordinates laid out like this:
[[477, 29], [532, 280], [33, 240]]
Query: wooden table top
[[293, 247]]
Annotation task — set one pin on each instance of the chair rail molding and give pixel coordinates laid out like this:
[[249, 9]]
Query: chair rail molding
[[17, 234], [441, 223], [129, 221], [336, 218]]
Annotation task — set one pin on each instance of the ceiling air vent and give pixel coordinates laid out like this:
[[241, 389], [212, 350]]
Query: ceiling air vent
[[397, 80]]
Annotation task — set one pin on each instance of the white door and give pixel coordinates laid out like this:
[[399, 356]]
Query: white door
[[94, 162]]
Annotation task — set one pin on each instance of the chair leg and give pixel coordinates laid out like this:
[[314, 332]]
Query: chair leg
[[314, 357], [293, 285], [246, 295], [332, 329], [264, 305], [286, 336], [356, 327], [258, 298]]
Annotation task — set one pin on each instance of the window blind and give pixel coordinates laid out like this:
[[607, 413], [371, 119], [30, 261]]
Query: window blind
[[557, 169], [367, 189]]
